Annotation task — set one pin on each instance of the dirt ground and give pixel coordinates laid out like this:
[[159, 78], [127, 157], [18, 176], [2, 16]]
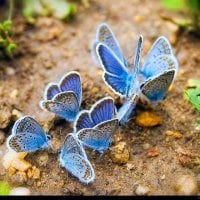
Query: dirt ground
[[52, 48]]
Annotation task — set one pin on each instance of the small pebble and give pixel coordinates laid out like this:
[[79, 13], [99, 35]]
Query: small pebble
[[55, 145], [186, 185], [148, 119], [2, 137], [16, 114], [119, 153], [5, 116], [152, 153], [16, 160], [19, 178], [9, 71], [36, 173], [130, 166], [14, 94], [20, 191], [174, 134], [146, 146], [141, 190], [42, 159]]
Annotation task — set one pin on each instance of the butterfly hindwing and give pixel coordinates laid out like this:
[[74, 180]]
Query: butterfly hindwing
[[156, 89], [64, 104], [27, 142], [99, 137]]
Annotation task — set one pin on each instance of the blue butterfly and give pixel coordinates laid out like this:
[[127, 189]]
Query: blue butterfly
[[151, 81], [27, 136], [64, 98], [105, 35], [94, 128], [74, 159]]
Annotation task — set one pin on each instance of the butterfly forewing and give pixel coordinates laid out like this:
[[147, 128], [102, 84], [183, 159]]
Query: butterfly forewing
[[27, 124], [103, 110], [83, 120], [106, 36], [51, 90], [72, 82]]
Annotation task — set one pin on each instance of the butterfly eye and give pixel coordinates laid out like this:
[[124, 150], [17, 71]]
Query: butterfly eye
[[49, 137]]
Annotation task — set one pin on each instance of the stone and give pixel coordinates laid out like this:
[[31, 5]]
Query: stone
[[186, 185], [148, 119], [42, 159], [22, 191], [141, 190], [5, 116], [19, 178], [16, 160], [119, 153]]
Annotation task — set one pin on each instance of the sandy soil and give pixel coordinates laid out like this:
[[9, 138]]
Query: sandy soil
[[53, 48]]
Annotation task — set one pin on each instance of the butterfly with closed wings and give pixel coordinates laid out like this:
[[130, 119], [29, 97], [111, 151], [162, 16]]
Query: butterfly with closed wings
[[27, 136], [64, 98], [95, 127], [74, 159]]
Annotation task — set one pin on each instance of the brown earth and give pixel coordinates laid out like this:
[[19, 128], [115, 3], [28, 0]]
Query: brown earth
[[52, 48]]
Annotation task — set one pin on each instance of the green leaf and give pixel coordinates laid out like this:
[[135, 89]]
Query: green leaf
[[194, 97], [194, 5], [10, 49], [7, 25], [4, 189], [173, 4], [3, 42], [198, 124]]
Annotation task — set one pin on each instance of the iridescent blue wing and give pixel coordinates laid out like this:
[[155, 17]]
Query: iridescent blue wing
[[82, 121], [72, 145], [102, 110], [27, 142], [50, 91], [127, 109], [134, 86], [160, 47], [28, 124], [74, 159], [99, 137], [159, 65], [116, 74], [72, 82], [156, 89], [64, 104], [105, 35]]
